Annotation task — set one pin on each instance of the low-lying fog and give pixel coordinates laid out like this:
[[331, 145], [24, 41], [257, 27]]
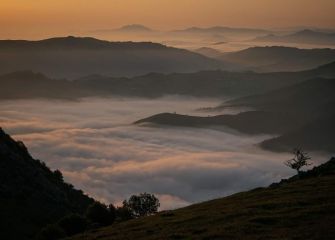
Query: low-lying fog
[[95, 145]]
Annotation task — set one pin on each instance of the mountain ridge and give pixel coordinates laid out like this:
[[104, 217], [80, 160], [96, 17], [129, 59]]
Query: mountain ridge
[[306, 36], [73, 57]]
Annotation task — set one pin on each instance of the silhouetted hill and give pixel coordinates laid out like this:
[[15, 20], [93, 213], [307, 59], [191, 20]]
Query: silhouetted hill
[[299, 208], [224, 31], [307, 96], [317, 135], [271, 59], [310, 103], [209, 52], [251, 122], [31, 195], [27, 84], [73, 57], [304, 36], [134, 28]]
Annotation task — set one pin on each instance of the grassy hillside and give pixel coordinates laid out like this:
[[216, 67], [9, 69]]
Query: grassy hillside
[[300, 208]]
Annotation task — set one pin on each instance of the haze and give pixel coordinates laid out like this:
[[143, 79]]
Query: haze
[[44, 18]]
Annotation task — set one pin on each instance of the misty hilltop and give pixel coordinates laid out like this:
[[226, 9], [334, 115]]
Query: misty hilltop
[[306, 36], [72, 57], [278, 58]]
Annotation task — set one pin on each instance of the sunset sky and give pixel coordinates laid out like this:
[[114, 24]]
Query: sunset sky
[[43, 18]]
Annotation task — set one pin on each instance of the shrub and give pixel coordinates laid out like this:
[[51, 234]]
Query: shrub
[[123, 214], [141, 205], [100, 214], [73, 224], [51, 232]]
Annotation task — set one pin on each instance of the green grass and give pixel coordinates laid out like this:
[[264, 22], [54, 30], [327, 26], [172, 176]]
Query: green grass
[[299, 209]]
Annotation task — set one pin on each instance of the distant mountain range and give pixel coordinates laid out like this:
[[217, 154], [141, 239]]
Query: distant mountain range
[[220, 84], [31, 195], [305, 36], [223, 30], [72, 57], [272, 59]]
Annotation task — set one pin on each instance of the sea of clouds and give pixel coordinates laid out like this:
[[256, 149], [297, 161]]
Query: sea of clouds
[[98, 148]]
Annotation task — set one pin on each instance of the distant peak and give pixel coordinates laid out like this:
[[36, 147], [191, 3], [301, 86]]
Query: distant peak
[[135, 27], [307, 32]]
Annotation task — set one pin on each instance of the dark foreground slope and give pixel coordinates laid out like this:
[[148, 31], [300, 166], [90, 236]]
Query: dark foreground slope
[[31, 195], [300, 208]]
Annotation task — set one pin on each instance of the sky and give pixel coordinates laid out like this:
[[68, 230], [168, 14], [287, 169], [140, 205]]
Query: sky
[[42, 18]]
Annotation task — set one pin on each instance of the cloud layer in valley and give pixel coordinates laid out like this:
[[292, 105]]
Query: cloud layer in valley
[[98, 149]]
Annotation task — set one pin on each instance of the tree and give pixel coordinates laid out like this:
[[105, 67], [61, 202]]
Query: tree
[[99, 213], [300, 160], [141, 205], [123, 214]]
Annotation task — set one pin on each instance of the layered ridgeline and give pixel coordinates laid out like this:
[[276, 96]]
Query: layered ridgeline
[[299, 208], [31, 195], [301, 114], [218, 84], [73, 57], [306, 36], [275, 58]]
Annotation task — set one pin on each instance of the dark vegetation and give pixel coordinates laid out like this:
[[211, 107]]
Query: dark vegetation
[[297, 208], [142, 205], [218, 84], [35, 202], [31, 195], [300, 159]]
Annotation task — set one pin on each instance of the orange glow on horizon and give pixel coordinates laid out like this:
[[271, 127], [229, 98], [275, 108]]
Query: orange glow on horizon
[[41, 18]]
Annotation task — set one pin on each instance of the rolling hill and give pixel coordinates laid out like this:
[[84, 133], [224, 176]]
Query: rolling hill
[[222, 32], [31, 195], [299, 208], [275, 58], [27, 84], [73, 57], [305, 36]]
